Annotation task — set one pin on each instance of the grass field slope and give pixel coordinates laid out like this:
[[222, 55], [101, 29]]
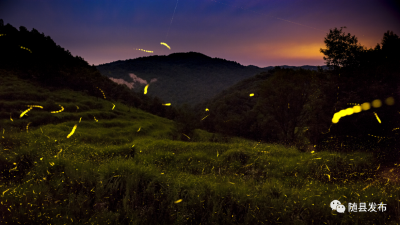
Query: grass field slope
[[123, 166]]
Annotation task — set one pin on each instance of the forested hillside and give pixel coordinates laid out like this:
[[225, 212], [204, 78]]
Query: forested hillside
[[183, 77], [76, 148], [297, 106], [37, 58]]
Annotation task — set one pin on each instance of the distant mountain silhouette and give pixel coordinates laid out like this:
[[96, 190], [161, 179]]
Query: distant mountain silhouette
[[182, 77]]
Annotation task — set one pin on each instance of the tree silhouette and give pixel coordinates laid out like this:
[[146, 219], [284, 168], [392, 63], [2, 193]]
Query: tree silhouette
[[342, 50]]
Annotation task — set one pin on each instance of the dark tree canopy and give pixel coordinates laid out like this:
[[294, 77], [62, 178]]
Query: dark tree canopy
[[342, 49]]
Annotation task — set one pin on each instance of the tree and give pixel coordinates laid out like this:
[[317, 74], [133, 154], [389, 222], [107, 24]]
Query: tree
[[284, 98], [342, 50]]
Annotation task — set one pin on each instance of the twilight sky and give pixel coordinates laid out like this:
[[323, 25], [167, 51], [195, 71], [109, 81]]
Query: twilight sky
[[250, 32]]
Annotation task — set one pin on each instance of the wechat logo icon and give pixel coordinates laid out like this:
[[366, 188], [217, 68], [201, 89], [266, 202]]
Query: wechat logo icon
[[336, 205]]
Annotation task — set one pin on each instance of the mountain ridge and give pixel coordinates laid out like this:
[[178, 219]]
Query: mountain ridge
[[183, 77]]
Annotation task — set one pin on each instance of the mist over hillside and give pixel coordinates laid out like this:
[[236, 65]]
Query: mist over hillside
[[182, 77]]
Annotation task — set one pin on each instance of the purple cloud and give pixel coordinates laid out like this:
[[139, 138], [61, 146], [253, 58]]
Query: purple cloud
[[137, 79]]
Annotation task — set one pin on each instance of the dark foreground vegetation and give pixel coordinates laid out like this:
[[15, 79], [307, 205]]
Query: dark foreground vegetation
[[123, 165]]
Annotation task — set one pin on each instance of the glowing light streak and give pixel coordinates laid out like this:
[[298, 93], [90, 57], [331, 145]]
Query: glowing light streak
[[207, 109], [5, 192], [58, 154], [358, 108], [177, 201], [377, 117], [27, 126], [26, 49], [328, 177], [11, 118], [252, 94], [80, 119], [102, 93], [145, 50], [95, 119], [145, 89], [139, 129], [62, 109], [165, 44], [186, 135], [73, 130], [113, 106], [23, 113], [167, 104], [204, 117], [36, 106]]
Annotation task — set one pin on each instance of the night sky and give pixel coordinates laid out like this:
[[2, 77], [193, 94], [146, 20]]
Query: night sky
[[250, 32]]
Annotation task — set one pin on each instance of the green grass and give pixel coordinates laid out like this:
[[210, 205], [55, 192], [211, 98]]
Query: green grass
[[97, 177]]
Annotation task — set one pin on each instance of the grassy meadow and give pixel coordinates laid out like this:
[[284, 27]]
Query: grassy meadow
[[126, 167]]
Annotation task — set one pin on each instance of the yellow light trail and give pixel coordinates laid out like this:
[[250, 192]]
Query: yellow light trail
[[204, 117], [139, 129], [165, 44], [73, 130], [80, 119], [113, 106], [145, 89], [62, 109], [95, 119], [102, 92], [167, 104], [145, 50], [186, 135], [377, 117], [23, 113], [207, 109], [363, 107], [36, 106], [11, 118], [27, 127], [252, 94], [177, 201], [26, 49]]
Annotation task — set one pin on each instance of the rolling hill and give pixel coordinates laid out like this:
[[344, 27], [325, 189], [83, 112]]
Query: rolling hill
[[182, 77]]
